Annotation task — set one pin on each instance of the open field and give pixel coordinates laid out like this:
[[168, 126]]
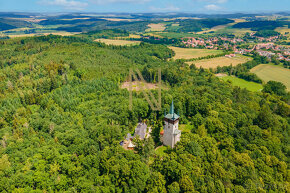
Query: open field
[[136, 36], [189, 53], [156, 27], [220, 61], [252, 86], [269, 72], [283, 30], [222, 27], [152, 34], [117, 42]]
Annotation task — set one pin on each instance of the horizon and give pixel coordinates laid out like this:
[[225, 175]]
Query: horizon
[[146, 6], [190, 14]]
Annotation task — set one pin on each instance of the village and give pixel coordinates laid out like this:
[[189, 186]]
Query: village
[[263, 46]]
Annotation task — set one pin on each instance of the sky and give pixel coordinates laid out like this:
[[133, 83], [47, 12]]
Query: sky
[[145, 6]]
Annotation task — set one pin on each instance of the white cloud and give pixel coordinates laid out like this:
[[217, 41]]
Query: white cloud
[[169, 8], [67, 4], [118, 1], [213, 1], [221, 1], [212, 7]]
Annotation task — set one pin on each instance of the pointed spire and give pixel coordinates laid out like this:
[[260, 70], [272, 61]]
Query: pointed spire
[[171, 108]]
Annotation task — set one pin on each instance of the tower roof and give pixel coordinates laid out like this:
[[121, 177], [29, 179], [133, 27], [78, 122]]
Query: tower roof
[[171, 114], [171, 108]]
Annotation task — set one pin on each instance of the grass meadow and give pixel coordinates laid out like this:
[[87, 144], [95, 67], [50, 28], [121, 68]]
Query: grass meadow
[[252, 86]]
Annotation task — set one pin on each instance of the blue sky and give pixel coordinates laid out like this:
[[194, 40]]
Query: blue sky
[[193, 6]]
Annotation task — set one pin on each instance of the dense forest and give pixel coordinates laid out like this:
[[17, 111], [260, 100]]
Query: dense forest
[[7, 24], [100, 24], [196, 25], [63, 115], [261, 25], [267, 33], [66, 21]]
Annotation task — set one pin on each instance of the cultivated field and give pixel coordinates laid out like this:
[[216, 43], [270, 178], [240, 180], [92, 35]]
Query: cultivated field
[[252, 86], [283, 30], [134, 36], [221, 27], [269, 72], [220, 61], [156, 27], [189, 53], [128, 37], [117, 42]]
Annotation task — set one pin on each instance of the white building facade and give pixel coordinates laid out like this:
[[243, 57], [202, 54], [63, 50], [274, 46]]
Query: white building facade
[[171, 133]]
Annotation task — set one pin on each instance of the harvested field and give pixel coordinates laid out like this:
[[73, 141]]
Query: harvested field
[[156, 27], [189, 53], [220, 61], [269, 72]]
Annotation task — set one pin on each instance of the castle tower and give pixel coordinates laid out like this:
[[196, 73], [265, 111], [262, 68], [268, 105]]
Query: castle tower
[[171, 133]]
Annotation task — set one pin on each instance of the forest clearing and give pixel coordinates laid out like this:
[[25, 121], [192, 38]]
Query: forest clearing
[[117, 42]]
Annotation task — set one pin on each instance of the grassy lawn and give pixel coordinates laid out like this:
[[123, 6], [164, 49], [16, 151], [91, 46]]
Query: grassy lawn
[[160, 150], [220, 61], [269, 72], [252, 86], [185, 128], [117, 42], [188, 53]]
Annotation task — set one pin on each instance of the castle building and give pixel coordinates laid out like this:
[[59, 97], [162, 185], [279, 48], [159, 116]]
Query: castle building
[[171, 133], [142, 131]]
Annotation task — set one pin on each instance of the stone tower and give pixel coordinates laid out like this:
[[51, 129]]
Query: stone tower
[[171, 133]]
